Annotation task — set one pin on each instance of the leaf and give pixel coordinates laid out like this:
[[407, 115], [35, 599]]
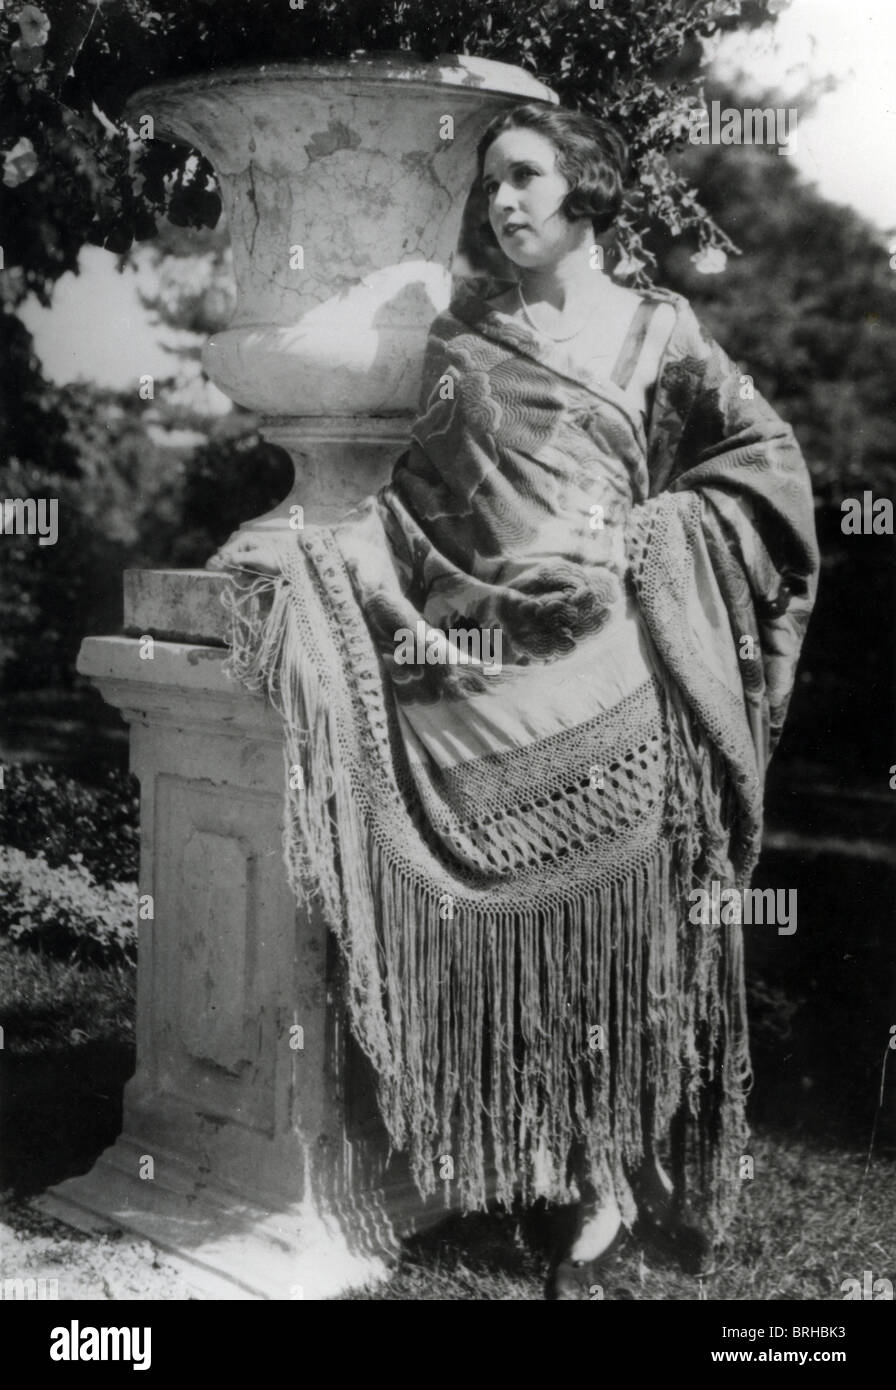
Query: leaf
[[33, 26], [25, 58], [19, 163]]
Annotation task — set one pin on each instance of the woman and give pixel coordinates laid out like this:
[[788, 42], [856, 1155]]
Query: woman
[[533, 686]]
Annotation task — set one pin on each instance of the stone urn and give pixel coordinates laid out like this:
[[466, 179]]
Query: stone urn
[[344, 185]]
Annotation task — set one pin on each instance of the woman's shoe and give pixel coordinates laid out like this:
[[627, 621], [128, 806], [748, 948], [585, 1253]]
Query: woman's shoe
[[574, 1275], [665, 1223], [573, 1280]]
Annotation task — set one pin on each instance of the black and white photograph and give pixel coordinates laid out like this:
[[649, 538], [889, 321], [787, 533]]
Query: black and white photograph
[[447, 682]]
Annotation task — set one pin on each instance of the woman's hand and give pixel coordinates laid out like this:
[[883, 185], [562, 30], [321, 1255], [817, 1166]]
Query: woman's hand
[[259, 551]]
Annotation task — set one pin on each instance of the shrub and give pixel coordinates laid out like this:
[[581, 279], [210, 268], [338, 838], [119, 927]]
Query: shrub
[[52, 1006], [65, 912], [42, 811]]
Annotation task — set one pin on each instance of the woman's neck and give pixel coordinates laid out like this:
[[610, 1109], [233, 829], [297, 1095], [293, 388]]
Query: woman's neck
[[566, 283]]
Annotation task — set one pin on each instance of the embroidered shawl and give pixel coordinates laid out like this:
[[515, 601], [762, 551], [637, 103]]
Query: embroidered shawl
[[504, 847]]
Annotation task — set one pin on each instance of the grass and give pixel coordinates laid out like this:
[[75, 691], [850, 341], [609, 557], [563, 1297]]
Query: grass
[[799, 1234], [50, 1004]]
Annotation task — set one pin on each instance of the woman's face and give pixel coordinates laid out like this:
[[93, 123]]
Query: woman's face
[[525, 192]]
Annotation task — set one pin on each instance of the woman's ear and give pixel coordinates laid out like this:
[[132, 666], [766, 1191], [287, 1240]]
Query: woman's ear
[[608, 242]]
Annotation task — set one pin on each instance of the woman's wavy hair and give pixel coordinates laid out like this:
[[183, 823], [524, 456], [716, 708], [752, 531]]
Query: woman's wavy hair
[[591, 155]]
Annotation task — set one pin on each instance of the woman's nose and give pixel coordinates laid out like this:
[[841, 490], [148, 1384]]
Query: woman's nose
[[505, 198]]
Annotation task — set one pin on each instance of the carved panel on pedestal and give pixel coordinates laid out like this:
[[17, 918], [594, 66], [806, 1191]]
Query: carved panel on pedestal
[[217, 974], [217, 892]]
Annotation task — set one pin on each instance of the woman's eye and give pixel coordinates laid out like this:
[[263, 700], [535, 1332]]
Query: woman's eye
[[520, 176]]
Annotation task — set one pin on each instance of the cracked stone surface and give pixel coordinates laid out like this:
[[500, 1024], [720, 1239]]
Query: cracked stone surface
[[344, 204]]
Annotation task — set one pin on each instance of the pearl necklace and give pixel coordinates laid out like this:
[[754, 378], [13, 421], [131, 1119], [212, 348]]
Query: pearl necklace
[[566, 338]]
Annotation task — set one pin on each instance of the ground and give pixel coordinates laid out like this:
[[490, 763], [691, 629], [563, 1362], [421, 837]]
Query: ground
[[810, 1219]]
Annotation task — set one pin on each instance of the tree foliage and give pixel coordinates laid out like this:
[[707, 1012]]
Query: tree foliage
[[75, 172], [809, 312], [105, 473], [808, 309]]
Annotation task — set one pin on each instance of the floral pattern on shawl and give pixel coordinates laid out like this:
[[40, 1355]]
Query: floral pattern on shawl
[[486, 522], [488, 516]]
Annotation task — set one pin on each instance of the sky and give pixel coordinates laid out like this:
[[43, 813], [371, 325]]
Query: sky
[[97, 328], [847, 147]]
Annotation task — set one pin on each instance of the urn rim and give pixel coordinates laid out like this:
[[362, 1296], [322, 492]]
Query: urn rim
[[464, 74]]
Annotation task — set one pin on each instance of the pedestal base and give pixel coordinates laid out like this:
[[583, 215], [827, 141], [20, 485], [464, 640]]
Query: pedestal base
[[221, 1243]]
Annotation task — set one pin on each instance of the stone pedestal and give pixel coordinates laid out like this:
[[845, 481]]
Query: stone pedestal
[[251, 1150]]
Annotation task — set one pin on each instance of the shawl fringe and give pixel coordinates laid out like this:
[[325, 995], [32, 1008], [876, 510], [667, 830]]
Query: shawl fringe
[[514, 1037]]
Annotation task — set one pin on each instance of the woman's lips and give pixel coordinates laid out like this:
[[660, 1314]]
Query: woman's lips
[[516, 227]]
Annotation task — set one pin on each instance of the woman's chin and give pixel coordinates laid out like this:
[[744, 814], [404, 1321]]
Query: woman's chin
[[526, 260], [511, 253]]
